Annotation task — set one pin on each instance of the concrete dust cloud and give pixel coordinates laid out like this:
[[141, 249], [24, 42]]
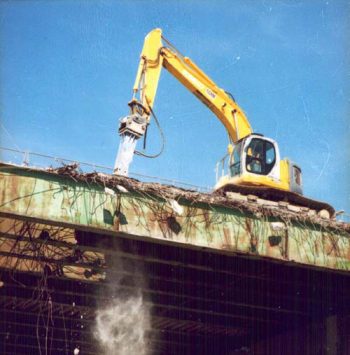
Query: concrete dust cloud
[[121, 324]]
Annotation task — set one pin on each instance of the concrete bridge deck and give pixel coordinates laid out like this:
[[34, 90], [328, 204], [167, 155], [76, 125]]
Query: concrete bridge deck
[[219, 275]]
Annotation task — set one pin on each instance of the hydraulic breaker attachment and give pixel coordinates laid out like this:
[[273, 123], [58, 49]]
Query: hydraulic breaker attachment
[[126, 151], [134, 124], [131, 128]]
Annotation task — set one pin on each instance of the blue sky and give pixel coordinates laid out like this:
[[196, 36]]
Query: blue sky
[[67, 70]]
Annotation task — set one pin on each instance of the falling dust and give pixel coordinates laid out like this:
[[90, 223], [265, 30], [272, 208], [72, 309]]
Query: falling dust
[[122, 324]]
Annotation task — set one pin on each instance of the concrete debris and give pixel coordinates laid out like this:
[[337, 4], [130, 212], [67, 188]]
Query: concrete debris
[[109, 191], [177, 208], [324, 214], [122, 188]]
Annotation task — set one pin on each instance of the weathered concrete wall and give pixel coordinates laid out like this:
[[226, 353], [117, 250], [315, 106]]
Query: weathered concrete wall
[[56, 199]]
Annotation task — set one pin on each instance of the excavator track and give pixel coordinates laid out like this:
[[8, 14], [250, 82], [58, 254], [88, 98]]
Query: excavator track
[[280, 195]]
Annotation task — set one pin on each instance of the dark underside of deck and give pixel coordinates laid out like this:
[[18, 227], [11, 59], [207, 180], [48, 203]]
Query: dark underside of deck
[[201, 302]]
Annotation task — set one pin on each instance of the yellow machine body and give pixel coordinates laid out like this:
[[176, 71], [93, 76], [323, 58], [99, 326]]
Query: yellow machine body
[[273, 173]]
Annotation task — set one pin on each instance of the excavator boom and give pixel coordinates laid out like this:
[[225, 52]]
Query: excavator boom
[[154, 56]]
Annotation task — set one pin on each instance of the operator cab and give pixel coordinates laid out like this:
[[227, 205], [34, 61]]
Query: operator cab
[[255, 161], [254, 154]]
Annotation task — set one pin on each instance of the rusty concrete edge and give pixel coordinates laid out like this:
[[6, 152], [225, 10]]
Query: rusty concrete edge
[[191, 197], [290, 263]]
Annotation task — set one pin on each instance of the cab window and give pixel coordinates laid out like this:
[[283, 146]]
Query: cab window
[[297, 175], [270, 155], [260, 156], [235, 163]]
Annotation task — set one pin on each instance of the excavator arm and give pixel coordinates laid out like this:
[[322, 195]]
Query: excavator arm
[[154, 57]]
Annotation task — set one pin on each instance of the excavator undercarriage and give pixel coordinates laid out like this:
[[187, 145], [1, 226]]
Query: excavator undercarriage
[[281, 197]]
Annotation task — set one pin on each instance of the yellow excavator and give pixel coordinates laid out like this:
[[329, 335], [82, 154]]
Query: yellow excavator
[[253, 164]]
